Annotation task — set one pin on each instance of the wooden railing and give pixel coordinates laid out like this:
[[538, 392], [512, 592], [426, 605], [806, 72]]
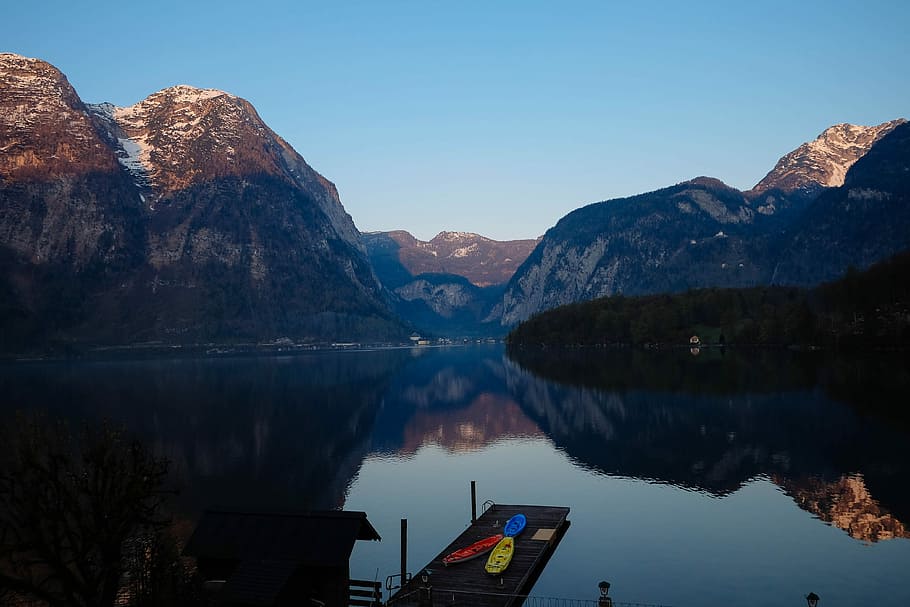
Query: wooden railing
[[465, 598], [363, 593]]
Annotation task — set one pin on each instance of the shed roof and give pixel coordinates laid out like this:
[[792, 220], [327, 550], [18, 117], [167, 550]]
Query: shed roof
[[306, 538]]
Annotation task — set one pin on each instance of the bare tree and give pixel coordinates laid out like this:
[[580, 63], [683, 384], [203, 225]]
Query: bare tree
[[67, 507]]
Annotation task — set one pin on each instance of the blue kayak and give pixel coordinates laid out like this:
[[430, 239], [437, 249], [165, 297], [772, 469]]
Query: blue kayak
[[515, 525]]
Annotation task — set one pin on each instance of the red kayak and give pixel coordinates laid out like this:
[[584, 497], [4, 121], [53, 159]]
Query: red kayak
[[473, 551]]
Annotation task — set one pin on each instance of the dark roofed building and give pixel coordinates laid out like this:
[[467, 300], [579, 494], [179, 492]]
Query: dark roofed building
[[263, 559]]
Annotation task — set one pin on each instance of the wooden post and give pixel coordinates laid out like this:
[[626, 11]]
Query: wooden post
[[404, 550], [473, 502]]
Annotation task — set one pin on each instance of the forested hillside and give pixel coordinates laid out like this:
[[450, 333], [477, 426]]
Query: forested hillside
[[870, 308]]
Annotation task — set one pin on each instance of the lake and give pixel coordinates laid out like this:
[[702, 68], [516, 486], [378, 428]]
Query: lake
[[713, 478]]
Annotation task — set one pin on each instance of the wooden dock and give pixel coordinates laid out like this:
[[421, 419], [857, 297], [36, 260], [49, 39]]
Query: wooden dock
[[468, 583]]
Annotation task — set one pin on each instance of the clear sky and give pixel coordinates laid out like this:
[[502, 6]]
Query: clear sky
[[499, 117]]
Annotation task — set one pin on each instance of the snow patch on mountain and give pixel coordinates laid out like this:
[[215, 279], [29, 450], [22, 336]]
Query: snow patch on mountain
[[184, 93], [464, 251], [825, 161], [457, 236], [133, 155]]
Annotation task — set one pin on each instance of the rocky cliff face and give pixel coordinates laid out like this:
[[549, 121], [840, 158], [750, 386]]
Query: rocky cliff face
[[64, 199], [184, 136], [824, 162], [694, 234], [70, 220], [794, 227], [800, 176], [181, 218]]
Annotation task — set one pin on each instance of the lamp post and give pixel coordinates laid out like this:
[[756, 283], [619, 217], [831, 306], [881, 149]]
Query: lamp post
[[604, 600], [425, 595], [812, 599]]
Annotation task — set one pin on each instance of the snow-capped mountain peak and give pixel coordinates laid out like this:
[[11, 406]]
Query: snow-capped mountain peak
[[457, 236], [184, 93], [483, 261], [231, 214], [183, 136], [823, 163], [44, 127]]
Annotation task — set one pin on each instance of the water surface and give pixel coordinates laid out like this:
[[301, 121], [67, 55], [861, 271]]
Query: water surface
[[743, 478]]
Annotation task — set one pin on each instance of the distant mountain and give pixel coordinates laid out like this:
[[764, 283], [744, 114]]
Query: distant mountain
[[450, 284], [792, 228], [481, 260], [183, 218]]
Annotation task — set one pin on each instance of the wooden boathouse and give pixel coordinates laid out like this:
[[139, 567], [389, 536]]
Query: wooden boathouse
[[259, 559], [468, 583]]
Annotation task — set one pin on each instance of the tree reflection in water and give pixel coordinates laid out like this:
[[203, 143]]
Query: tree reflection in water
[[830, 431]]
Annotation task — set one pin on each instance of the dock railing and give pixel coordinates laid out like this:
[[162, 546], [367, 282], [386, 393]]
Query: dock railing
[[364, 593], [458, 598]]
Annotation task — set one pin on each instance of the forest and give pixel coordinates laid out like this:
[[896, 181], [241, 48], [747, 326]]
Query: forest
[[864, 309]]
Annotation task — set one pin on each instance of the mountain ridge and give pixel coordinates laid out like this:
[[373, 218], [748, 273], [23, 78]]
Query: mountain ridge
[[702, 233], [483, 261], [184, 216]]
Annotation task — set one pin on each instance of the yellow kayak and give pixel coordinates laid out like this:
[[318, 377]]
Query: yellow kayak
[[501, 556]]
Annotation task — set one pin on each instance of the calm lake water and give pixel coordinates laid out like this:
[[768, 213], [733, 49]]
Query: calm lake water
[[717, 479]]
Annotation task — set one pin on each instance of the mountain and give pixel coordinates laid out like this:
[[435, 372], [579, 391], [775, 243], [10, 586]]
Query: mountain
[[693, 234], [71, 222], [800, 176], [449, 284], [792, 228], [857, 224], [481, 260], [182, 218], [823, 163]]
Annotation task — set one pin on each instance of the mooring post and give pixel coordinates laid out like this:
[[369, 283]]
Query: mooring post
[[473, 502], [404, 550]]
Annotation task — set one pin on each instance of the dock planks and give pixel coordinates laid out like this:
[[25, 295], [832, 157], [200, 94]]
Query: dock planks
[[469, 584]]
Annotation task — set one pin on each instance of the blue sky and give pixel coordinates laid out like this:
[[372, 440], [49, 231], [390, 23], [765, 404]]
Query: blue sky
[[499, 117]]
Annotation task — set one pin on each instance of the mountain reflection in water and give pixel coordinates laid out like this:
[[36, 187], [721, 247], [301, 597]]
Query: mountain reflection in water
[[714, 422], [293, 432]]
